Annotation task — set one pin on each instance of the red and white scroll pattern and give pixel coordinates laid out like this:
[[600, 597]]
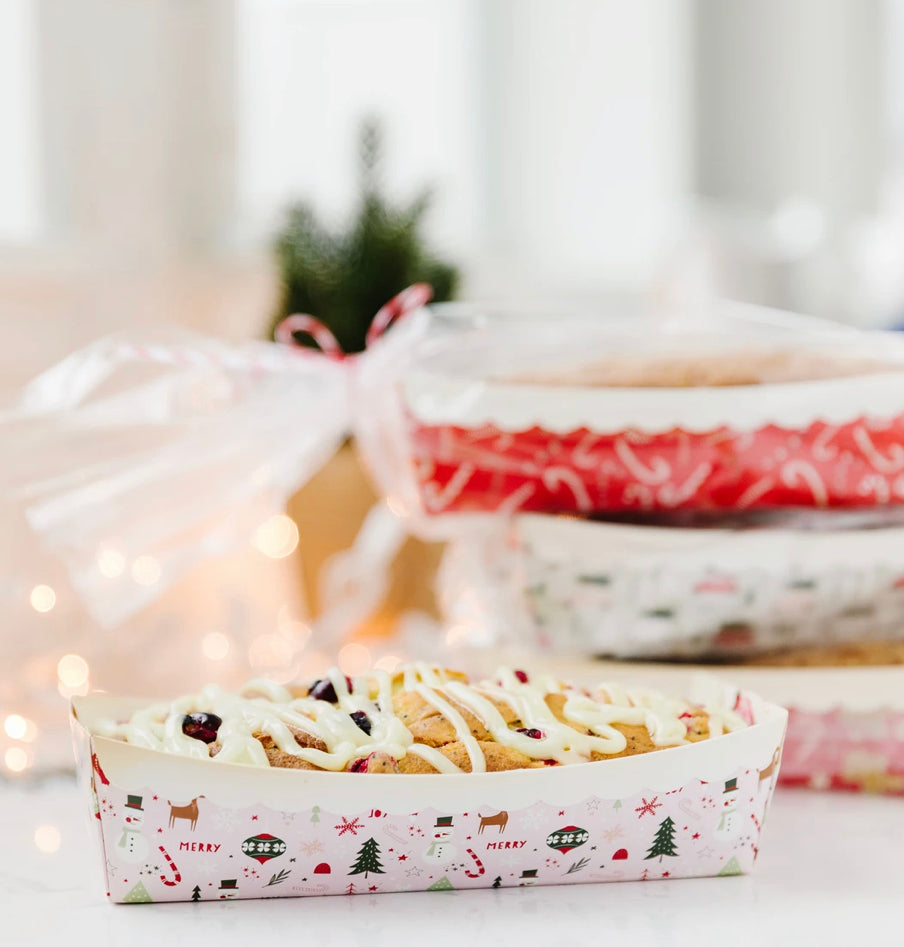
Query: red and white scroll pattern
[[485, 469]]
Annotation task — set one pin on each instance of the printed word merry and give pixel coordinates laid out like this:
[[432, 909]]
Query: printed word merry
[[198, 847], [506, 844]]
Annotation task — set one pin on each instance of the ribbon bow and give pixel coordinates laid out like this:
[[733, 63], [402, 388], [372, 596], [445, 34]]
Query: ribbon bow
[[399, 307]]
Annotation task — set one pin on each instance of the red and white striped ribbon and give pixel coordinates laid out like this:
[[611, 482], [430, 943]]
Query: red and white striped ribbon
[[401, 305], [328, 343]]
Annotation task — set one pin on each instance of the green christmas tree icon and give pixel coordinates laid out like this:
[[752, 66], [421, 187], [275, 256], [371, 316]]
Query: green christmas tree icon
[[368, 859], [664, 843], [442, 885], [138, 895], [731, 867]]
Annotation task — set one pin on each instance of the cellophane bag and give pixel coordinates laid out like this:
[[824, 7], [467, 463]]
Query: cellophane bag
[[498, 412], [141, 486], [686, 587]]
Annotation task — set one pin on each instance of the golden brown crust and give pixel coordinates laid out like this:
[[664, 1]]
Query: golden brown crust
[[863, 654], [498, 758], [556, 703], [430, 727], [282, 759]]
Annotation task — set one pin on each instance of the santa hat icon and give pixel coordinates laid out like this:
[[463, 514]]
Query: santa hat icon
[[134, 802]]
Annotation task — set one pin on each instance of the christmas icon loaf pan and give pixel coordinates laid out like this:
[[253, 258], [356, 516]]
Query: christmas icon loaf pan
[[750, 413], [513, 781], [717, 589]]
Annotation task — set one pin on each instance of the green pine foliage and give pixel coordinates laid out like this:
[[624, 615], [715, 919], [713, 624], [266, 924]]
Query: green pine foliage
[[343, 278]]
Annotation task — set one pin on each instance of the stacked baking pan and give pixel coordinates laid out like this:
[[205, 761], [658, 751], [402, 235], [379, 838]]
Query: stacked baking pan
[[729, 491]]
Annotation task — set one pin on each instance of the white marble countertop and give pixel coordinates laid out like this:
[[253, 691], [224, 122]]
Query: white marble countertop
[[829, 873]]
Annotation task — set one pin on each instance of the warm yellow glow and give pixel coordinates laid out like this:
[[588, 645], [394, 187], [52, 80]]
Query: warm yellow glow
[[47, 839], [16, 759], [72, 670], [354, 659], [389, 662], [43, 598], [146, 570], [270, 651], [277, 537], [111, 562], [16, 726], [215, 646]]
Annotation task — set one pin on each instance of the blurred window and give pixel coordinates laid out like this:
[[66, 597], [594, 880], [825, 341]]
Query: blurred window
[[309, 72], [20, 162]]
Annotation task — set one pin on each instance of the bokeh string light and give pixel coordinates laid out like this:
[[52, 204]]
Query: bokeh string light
[[276, 537], [47, 839], [17, 759], [42, 598], [215, 646], [111, 562]]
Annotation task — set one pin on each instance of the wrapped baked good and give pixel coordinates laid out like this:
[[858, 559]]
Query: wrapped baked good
[[754, 410], [683, 586], [274, 793]]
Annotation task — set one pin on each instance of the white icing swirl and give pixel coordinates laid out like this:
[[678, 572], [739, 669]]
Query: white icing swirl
[[587, 725]]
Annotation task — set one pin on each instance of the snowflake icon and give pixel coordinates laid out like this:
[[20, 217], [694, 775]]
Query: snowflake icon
[[312, 848], [346, 826], [648, 808]]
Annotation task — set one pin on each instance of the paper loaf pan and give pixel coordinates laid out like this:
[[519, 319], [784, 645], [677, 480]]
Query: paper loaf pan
[[173, 829], [509, 418]]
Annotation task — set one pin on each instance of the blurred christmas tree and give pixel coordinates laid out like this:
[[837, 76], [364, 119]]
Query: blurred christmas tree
[[344, 278]]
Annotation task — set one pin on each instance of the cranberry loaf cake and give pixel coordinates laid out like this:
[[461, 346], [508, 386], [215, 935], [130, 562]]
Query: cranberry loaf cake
[[421, 719]]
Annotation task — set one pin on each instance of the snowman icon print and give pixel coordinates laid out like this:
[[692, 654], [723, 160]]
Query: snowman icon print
[[441, 848], [133, 846]]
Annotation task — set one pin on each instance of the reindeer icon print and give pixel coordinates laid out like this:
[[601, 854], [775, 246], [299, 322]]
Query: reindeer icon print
[[189, 813]]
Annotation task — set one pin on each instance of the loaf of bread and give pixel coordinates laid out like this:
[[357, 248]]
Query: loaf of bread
[[421, 719]]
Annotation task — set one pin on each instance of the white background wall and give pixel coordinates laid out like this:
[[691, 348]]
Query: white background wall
[[574, 145]]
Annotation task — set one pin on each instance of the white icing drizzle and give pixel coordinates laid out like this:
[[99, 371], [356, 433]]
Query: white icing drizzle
[[263, 707], [462, 730]]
